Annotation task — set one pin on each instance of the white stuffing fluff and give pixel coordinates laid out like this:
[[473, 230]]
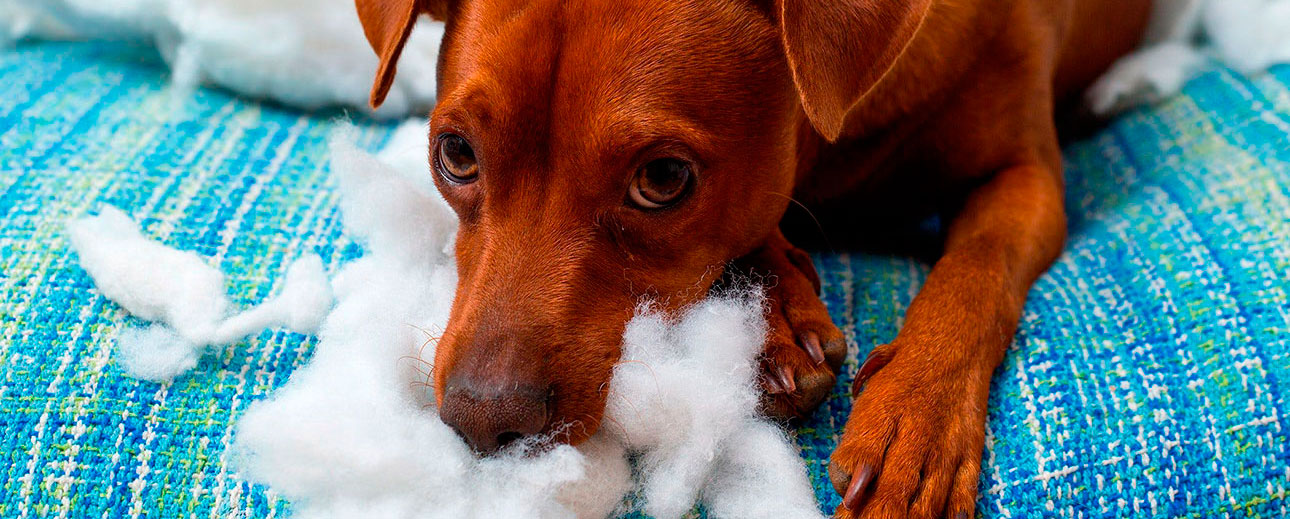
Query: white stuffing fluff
[[1182, 36], [686, 398], [1145, 76], [300, 306], [355, 434], [303, 53], [155, 352], [312, 53], [149, 280], [184, 294]]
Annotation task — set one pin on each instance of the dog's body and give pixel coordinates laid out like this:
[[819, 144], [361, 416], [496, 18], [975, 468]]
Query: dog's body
[[598, 152]]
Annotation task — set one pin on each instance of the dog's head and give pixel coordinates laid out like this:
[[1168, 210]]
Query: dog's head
[[599, 152]]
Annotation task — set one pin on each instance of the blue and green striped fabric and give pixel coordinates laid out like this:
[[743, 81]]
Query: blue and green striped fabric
[[1146, 380]]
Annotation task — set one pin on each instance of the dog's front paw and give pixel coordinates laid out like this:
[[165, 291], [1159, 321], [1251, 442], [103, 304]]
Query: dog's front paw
[[804, 350], [912, 446]]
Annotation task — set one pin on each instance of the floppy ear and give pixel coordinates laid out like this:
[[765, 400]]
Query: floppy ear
[[387, 24], [839, 49]]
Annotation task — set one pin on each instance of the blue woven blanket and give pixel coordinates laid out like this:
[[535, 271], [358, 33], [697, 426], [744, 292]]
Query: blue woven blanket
[[1146, 379]]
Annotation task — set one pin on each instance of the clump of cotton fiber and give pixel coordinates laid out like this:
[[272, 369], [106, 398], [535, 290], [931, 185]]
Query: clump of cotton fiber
[[149, 280], [156, 352], [184, 296], [759, 474], [393, 210], [354, 433], [303, 53], [300, 305], [685, 397], [1183, 36], [682, 389]]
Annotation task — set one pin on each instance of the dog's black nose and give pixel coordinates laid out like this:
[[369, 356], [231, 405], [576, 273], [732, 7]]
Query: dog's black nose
[[489, 419]]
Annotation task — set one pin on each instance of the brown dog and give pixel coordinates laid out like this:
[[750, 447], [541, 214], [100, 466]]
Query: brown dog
[[598, 152]]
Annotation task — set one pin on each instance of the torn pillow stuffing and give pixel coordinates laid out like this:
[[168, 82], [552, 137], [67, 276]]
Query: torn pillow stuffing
[[355, 433]]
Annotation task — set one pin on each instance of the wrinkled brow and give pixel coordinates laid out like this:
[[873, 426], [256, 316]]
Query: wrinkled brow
[[634, 129]]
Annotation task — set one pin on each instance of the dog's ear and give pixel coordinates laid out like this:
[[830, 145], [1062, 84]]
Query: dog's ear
[[387, 24], [839, 49]]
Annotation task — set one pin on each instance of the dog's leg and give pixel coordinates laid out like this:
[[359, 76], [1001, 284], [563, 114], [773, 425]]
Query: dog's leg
[[912, 446], [804, 350]]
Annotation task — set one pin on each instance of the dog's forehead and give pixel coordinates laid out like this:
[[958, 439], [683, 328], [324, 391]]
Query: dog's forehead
[[608, 67]]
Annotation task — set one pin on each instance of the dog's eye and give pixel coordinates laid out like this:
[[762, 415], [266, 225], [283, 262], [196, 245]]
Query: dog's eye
[[660, 183], [455, 159]]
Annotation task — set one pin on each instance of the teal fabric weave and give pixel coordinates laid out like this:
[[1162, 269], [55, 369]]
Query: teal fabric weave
[[1147, 378]]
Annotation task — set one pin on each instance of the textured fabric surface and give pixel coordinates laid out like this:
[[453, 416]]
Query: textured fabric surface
[[1146, 379]]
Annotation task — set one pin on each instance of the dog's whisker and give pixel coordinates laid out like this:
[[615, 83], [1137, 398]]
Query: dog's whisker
[[431, 337], [630, 404], [620, 427], [819, 226], [418, 367], [422, 330], [416, 384], [415, 358], [428, 374], [422, 350]]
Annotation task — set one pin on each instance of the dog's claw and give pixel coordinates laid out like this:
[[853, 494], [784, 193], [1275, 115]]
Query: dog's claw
[[785, 376], [772, 385], [856, 489], [804, 350], [877, 359], [811, 343]]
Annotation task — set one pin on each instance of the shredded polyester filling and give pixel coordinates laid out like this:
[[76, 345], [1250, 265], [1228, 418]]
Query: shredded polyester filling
[[312, 53], [354, 433], [302, 53]]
